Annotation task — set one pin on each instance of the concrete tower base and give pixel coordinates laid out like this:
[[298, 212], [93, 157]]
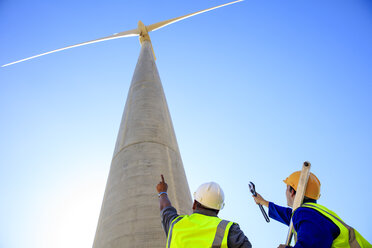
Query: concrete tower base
[[145, 148]]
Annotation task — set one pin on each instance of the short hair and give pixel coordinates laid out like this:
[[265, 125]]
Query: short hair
[[200, 206], [306, 199]]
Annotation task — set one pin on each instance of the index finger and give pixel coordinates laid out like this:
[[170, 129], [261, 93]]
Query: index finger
[[162, 178]]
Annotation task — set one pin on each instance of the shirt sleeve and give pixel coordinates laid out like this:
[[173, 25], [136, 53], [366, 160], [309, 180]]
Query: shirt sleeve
[[313, 230], [168, 214], [236, 238], [281, 214]]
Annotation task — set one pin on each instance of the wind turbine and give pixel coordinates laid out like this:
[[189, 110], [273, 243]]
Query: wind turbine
[[146, 147], [142, 31]]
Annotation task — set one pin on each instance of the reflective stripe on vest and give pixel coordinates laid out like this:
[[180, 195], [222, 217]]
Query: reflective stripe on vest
[[171, 229], [348, 237], [198, 231], [220, 233]]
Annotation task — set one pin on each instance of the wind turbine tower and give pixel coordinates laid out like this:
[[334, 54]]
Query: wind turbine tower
[[146, 147]]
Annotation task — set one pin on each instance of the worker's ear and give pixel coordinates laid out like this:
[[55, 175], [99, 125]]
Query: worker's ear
[[293, 193], [194, 205]]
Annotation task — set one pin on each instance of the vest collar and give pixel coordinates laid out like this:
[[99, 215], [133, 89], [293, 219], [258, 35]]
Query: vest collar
[[309, 200]]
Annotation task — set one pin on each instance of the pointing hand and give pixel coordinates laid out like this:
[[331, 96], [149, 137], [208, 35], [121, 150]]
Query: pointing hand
[[162, 186]]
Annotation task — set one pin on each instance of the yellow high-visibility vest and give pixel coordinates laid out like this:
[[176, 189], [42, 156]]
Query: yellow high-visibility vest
[[198, 231], [348, 237]]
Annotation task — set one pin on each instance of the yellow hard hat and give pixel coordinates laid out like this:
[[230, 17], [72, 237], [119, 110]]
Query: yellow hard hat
[[313, 184]]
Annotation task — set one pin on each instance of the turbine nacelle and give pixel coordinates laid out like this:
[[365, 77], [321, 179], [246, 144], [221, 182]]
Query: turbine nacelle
[[143, 33]]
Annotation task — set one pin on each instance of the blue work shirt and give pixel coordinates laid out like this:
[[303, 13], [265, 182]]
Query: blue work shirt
[[313, 229]]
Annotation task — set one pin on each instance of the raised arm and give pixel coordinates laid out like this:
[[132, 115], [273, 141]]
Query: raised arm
[[260, 200], [162, 189]]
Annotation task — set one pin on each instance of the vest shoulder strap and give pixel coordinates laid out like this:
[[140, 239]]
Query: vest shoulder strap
[[220, 233], [352, 238], [171, 229]]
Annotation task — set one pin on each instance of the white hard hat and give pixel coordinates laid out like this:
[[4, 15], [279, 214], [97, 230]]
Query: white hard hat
[[210, 195]]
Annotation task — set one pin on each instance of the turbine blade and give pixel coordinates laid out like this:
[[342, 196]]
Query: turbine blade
[[133, 32], [158, 25]]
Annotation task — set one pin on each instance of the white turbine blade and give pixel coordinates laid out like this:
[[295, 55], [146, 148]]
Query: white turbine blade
[[133, 32], [158, 25]]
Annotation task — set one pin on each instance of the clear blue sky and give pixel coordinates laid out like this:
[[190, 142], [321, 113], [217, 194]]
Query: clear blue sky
[[254, 89]]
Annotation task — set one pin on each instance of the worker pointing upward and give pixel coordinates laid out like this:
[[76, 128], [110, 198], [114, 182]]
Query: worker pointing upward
[[202, 229], [314, 224]]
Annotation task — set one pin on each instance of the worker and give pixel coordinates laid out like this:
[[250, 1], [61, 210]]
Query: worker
[[314, 225], [201, 229]]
